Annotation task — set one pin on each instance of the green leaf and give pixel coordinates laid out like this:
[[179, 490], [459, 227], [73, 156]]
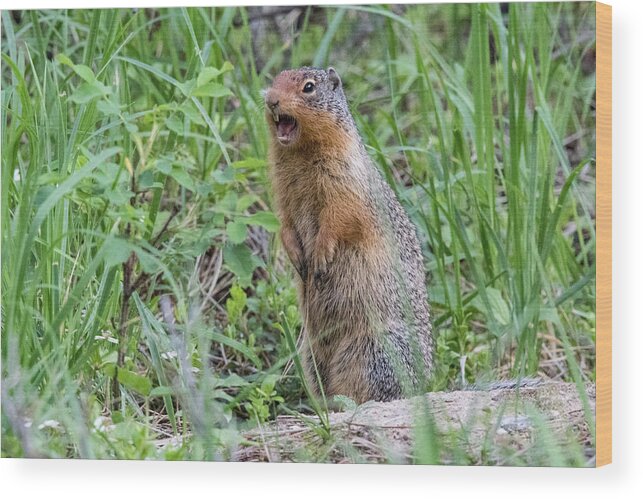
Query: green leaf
[[117, 251], [63, 59], [129, 379], [209, 73], [236, 345], [228, 204], [211, 90], [232, 381], [237, 232], [131, 127], [227, 66], [88, 91], [188, 109], [236, 304], [161, 219], [175, 124], [118, 197], [182, 177], [203, 188], [163, 165], [108, 108], [146, 180], [149, 263], [240, 260], [265, 219], [499, 307], [206, 75], [246, 201], [161, 391], [225, 176], [252, 163], [85, 73], [187, 86], [134, 381]]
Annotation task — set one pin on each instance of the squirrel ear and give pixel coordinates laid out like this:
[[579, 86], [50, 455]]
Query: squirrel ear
[[334, 78]]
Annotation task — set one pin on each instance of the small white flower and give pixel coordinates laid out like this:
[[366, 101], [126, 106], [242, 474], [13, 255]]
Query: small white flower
[[103, 424], [107, 336], [50, 423]]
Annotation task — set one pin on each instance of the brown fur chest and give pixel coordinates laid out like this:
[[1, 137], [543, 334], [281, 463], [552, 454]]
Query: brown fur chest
[[303, 189]]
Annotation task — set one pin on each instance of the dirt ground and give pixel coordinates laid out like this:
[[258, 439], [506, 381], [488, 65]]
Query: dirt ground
[[532, 425]]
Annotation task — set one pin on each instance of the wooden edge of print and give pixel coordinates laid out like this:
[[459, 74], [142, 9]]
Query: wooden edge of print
[[603, 234]]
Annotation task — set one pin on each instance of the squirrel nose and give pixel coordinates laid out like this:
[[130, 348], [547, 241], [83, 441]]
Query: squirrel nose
[[272, 98]]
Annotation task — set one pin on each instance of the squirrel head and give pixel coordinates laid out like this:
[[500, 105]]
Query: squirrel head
[[307, 105]]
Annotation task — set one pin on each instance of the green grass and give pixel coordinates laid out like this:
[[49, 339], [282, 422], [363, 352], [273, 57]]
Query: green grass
[[141, 278]]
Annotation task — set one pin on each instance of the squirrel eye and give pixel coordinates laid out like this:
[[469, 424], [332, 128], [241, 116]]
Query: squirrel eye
[[309, 87]]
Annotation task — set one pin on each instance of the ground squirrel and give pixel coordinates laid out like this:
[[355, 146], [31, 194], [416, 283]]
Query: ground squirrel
[[359, 266]]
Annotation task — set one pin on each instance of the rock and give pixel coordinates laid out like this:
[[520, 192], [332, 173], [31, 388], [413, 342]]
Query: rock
[[532, 425]]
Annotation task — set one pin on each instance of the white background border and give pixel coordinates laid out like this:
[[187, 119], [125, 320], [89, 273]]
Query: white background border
[[112, 479]]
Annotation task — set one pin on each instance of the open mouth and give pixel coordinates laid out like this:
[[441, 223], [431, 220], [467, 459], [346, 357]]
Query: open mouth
[[286, 128]]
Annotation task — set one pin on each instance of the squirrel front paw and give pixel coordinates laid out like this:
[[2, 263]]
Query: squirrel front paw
[[322, 257]]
